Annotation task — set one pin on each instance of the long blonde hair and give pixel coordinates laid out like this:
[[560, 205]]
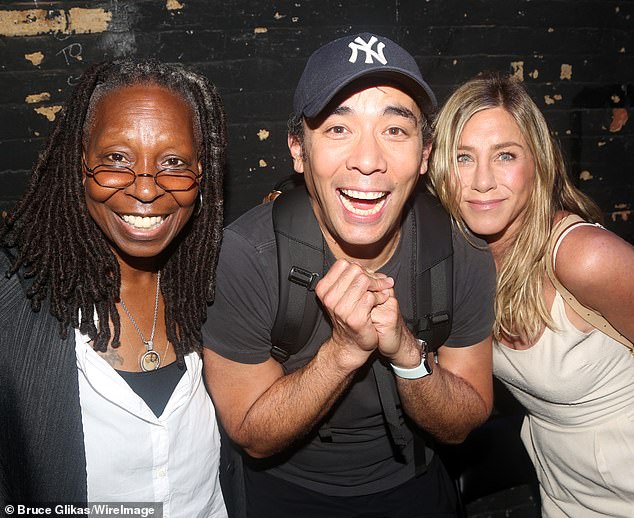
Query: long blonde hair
[[519, 306]]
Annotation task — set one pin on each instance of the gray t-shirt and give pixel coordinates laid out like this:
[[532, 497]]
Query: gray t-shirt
[[359, 458]]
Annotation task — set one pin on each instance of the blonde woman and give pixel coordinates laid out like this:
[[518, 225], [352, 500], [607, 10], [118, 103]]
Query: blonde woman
[[502, 177]]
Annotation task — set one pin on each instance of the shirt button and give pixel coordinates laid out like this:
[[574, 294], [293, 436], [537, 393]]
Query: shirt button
[[162, 472]]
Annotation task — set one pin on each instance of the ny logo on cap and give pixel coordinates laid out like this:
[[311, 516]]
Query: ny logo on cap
[[358, 44]]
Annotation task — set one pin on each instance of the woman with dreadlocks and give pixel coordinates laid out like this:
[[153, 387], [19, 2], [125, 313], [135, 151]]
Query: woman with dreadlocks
[[109, 260]]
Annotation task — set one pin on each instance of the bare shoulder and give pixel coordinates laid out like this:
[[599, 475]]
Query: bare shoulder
[[595, 265]]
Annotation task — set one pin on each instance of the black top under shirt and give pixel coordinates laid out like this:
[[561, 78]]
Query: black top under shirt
[[359, 459], [155, 387]]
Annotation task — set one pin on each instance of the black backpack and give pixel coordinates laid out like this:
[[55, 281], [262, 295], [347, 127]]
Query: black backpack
[[301, 263]]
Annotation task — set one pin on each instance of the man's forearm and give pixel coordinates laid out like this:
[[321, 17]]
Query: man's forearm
[[443, 404], [293, 405]]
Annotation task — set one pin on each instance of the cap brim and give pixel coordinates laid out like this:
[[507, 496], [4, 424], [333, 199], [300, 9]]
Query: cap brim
[[420, 91]]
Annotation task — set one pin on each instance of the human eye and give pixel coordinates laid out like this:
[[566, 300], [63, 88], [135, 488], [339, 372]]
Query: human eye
[[174, 162], [336, 130], [463, 158], [396, 131], [505, 156], [116, 159]]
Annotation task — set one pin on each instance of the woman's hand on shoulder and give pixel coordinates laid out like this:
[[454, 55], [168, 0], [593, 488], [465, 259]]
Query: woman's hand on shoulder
[[597, 267]]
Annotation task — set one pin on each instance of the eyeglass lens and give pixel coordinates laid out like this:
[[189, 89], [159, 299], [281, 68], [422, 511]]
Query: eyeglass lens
[[166, 179]]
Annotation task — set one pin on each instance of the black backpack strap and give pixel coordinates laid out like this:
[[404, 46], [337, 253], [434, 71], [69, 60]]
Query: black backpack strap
[[432, 300], [433, 267], [300, 258]]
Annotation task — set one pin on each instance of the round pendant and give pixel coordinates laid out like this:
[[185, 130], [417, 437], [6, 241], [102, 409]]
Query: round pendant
[[150, 361]]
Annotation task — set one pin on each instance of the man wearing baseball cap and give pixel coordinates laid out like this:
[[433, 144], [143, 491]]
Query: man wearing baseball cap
[[336, 428]]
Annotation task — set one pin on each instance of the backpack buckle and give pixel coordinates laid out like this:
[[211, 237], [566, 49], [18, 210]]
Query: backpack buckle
[[279, 354], [303, 277], [427, 322]]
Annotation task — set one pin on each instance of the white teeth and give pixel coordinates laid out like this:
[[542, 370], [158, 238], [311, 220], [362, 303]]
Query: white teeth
[[363, 195], [143, 222], [362, 212]]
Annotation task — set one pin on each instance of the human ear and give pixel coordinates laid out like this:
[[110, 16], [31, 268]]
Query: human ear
[[295, 147], [425, 159]]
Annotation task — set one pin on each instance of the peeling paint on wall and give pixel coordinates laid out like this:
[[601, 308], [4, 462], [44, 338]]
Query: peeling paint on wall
[[260, 30], [623, 214], [534, 74], [35, 57], [31, 22], [585, 175], [619, 119], [48, 111], [262, 163], [615, 99], [518, 70], [566, 72], [263, 134], [279, 16], [552, 100], [37, 98], [173, 5]]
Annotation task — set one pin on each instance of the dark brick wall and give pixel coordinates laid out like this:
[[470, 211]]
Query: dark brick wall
[[575, 56]]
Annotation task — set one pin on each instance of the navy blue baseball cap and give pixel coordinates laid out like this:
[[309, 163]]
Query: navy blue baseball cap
[[338, 63]]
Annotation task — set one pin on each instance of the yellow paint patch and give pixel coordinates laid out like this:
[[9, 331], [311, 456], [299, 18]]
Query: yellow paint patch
[[35, 57], [260, 30], [173, 5], [84, 21], [566, 72], [518, 70], [263, 134], [37, 98], [552, 100], [619, 119], [48, 111], [585, 175], [31, 22], [623, 214], [262, 163], [534, 74]]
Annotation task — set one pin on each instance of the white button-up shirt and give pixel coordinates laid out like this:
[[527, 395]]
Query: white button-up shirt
[[134, 456]]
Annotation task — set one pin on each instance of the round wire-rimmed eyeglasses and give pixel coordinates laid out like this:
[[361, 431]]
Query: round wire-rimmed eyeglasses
[[170, 179]]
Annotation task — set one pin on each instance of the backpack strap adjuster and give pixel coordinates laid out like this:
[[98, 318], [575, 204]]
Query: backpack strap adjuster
[[303, 277], [279, 354]]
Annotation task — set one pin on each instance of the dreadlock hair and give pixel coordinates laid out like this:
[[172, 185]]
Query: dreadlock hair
[[519, 307], [63, 250]]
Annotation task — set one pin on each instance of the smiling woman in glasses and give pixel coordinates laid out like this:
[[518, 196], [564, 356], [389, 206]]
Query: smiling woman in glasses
[[110, 259]]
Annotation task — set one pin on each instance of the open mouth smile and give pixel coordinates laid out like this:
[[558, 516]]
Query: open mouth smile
[[363, 203], [143, 222]]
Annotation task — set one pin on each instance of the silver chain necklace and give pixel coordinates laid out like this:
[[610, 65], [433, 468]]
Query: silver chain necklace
[[150, 360]]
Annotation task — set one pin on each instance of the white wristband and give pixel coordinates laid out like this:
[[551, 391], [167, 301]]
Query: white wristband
[[417, 372]]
